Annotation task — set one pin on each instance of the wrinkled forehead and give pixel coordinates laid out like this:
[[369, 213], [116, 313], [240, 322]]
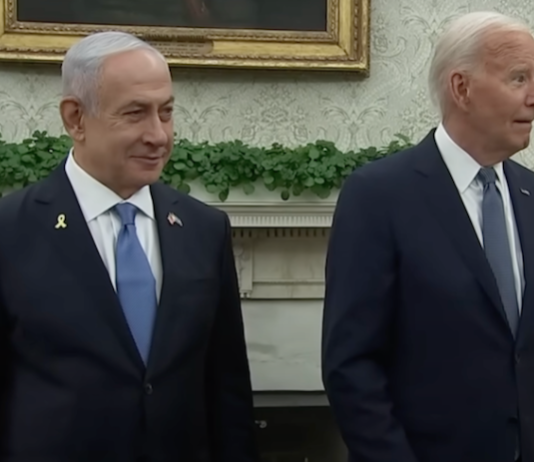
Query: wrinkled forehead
[[503, 47], [133, 67], [135, 74]]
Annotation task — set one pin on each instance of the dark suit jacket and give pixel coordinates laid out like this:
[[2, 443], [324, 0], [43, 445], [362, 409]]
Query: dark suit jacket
[[74, 387], [419, 363]]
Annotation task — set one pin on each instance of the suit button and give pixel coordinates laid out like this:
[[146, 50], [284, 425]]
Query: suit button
[[148, 389]]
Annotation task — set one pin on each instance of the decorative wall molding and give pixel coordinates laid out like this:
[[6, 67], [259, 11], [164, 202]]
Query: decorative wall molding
[[266, 209], [280, 263], [279, 214], [281, 282]]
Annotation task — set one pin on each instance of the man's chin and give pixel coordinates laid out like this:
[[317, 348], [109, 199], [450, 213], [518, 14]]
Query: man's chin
[[525, 143]]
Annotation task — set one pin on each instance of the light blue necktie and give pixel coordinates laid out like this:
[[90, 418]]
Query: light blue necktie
[[136, 285], [497, 245]]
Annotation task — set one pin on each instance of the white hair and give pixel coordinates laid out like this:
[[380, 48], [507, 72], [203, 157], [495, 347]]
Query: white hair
[[460, 46], [83, 63]]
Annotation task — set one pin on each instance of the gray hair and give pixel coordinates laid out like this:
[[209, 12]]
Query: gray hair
[[459, 48], [83, 63]]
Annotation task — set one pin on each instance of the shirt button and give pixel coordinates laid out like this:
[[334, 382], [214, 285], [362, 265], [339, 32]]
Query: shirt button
[[148, 389]]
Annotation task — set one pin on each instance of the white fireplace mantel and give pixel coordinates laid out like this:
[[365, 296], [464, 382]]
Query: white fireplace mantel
[[280, 250], [266, 209]]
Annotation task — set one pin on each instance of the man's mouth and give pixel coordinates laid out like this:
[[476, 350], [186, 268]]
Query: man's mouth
[[524, 122], [148, 159]]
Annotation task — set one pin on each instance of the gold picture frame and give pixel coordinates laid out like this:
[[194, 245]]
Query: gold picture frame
[[344, 45]]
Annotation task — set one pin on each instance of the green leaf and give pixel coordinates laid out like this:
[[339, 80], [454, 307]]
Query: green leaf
[[248, 188], [180, 153], [179, 166], [309, 182], [184, 187], [212, 189], [297, 189], [321, 192], [176, 180], [268, 179], [314, 153]]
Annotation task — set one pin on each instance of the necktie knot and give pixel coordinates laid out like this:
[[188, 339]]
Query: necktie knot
[[487, 175], [126, 212]]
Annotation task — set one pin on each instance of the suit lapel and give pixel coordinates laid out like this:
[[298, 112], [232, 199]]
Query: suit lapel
[[171, 241], [523, 207], [75, 245], [445, 203]]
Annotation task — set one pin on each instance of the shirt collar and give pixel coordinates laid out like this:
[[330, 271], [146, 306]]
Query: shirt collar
[[95, 198], [462, 167]]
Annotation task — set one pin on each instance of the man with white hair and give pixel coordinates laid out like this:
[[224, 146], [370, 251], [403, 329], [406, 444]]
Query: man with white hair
[[120, 320], [428, 332]]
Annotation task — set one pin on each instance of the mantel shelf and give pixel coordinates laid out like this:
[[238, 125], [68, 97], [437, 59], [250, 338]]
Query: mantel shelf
[[278, 215], [265, 209]]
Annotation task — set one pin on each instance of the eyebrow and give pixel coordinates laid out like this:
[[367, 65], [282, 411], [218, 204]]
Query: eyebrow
[[518, 69], [169, 101], [141, 103]]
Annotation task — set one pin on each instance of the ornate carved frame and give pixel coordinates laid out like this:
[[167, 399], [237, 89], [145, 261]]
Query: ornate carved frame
[[344, 46]]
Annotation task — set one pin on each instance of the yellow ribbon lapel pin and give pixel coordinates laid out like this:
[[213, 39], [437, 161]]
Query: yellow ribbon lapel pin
[[61, 223]]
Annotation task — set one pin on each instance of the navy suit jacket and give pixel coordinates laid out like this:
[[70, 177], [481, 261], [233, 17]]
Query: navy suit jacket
[[419, 362], [73, 385]]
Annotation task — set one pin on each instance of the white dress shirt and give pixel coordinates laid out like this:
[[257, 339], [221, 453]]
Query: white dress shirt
[[97, 201], [464, 169]]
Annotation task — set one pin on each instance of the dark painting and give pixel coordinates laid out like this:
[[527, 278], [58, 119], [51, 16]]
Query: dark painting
[[296, 15]]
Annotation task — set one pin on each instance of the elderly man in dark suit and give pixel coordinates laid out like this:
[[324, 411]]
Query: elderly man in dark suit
[[120, 320], [428, 341]]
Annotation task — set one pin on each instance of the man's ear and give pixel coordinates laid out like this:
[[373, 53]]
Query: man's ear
[[72, 114], [459, 83]]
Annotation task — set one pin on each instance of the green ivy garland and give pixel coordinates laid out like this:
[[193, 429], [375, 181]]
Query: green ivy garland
[[318, 167]]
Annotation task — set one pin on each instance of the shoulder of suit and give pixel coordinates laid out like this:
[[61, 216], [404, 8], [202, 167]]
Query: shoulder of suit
[[194, 205], [391, 168], [12, 202], [525, 172]]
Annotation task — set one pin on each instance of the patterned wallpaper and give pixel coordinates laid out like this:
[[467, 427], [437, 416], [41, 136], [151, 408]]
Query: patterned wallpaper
[[261, 107]]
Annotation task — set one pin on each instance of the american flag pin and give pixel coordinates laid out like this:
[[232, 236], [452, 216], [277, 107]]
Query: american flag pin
[[174, 220], [526, 192]]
